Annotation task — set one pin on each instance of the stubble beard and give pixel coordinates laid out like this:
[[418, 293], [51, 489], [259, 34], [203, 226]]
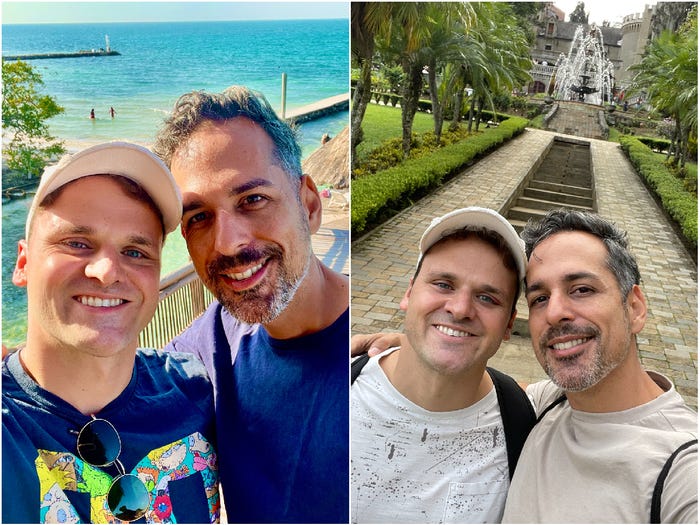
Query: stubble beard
[[573, 375]]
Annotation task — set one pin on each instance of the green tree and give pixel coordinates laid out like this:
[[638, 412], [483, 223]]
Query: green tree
[[24, 115], [668, 75], [579, 15], [368, 21]]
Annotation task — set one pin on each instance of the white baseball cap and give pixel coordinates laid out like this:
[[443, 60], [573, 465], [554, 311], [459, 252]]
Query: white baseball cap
[[116, 158], [475, 217]]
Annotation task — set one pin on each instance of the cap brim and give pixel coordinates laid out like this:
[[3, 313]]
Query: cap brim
[[117, 158], [478, 218]]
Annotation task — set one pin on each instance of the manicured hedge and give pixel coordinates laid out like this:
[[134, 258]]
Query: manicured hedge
[[375, 198], [680, 204]]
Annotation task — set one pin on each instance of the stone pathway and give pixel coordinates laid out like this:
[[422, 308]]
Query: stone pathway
[[383, 261]]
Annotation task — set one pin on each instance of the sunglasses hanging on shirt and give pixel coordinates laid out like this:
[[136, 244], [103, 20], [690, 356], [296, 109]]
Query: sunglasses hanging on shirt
[[99, 445]]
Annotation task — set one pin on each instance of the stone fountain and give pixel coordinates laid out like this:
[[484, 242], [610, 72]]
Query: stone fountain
[[585, 74]]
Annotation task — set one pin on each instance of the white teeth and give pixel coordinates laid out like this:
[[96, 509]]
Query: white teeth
[[449, 331], [568, 344], [98, 302], [246, 274]]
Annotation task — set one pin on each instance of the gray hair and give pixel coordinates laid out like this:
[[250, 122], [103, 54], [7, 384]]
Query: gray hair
[[196, 107], [620, 261]]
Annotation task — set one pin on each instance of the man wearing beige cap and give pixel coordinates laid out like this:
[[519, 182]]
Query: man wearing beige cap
[[94, 429], [435, 435]]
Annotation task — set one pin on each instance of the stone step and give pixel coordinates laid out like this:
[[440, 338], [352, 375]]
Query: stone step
[[565, 178], [561, 188], [522, 213], [538, 196]]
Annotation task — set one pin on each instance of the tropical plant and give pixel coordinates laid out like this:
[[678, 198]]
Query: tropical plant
[[24, 115], [668, 75]]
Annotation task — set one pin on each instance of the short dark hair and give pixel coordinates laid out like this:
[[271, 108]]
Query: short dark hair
[[620, 261], [130, 187], [489, 237], [196, 107]]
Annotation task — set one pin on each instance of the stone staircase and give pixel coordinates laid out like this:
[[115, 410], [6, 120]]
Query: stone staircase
[[563, 180], [577, 118]]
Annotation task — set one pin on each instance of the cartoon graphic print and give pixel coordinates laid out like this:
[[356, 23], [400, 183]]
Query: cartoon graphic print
[[62, 471]]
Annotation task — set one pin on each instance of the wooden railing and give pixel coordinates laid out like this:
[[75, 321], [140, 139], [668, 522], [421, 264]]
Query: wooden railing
[[183, 298]]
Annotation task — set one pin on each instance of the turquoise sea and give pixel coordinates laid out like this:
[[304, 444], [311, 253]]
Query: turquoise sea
[[158, 63]]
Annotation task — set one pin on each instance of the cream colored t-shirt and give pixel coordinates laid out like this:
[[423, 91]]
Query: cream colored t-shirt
[[410, 465], [579, 467]]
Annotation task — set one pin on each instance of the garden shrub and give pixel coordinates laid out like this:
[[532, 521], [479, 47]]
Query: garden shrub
[[681, 205], [378, 196]]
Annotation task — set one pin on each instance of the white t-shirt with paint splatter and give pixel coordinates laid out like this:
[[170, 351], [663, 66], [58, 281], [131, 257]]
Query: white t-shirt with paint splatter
[[410, 465]]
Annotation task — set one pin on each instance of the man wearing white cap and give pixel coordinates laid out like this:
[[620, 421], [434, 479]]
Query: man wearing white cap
[[435, 435], [94, 429]]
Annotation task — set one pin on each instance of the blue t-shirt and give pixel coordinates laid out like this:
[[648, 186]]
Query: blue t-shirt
[[282, 418], [165, 419]]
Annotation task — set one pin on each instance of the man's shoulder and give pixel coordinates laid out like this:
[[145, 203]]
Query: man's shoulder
[[542, 394], [210, 330], [171, 364]]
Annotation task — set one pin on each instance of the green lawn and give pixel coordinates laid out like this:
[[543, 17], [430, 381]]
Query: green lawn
[[384, 122]]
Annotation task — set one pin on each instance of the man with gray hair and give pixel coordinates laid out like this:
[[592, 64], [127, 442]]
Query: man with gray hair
[[615, 443], [275, 342]]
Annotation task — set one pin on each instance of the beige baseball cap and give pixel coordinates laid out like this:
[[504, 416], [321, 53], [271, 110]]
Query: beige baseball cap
[[116, 158], [475, 217]]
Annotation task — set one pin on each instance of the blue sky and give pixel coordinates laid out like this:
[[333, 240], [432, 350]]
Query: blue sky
[[28, 12], [600, 10]]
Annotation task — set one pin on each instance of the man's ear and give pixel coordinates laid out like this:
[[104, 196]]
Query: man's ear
[[311, 201], [509, 328], [637, 309], [406, 296], [19, 276]]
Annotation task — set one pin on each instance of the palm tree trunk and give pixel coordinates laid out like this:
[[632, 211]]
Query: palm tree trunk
[[411, 95], [471, 113], [479, 109], [435, 99], [363, 92]]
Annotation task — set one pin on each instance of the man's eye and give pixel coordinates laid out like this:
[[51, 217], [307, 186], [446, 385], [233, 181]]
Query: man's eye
[[487, 299], [76, 244], [197, 217], [136, 254], [443, 285], [538, 299], [254, 200]]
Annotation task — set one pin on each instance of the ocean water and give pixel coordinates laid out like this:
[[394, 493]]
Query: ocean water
[[158, 63]]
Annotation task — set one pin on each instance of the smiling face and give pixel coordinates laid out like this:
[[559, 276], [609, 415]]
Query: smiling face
[[459, 306], [580, 326], [92, 269], [245, 221]]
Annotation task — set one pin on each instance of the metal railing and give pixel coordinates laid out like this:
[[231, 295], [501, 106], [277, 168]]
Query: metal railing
[[183, 298]]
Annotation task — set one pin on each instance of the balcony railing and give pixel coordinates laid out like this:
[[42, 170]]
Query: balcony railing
[[183, 298]]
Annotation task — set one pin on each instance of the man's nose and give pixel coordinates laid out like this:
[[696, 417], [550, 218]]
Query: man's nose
[[231, 233], [105, 267], [558, 308], [461, 305]]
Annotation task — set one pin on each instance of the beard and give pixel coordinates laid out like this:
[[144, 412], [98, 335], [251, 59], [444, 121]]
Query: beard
[[255, 305], [579, 372]]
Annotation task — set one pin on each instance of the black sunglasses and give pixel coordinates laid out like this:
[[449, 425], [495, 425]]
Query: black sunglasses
[[99, 445]]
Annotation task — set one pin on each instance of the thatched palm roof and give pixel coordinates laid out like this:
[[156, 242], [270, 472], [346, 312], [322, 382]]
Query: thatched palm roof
[[330, 164]]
